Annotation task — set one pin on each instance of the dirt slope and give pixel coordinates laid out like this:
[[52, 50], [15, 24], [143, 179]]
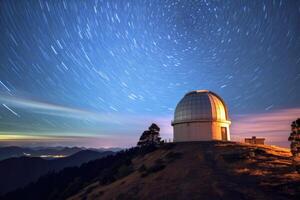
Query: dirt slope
[[205, 170]]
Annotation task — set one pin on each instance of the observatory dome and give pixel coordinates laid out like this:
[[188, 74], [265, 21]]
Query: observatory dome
[[201, 115], [200, 105]]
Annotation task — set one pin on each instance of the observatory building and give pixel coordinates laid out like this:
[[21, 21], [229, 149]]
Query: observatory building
[[201, 115]]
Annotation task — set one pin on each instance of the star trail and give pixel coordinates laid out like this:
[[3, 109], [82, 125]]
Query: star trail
[[107, 69]]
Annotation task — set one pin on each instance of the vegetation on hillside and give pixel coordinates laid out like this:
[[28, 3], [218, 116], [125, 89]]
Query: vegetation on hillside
[[295, 137], [295, 143], [24, 170]]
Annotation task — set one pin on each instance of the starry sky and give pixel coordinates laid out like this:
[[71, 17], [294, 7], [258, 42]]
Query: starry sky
[[97, 73]]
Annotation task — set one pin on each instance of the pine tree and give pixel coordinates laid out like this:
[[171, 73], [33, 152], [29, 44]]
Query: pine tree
[[295, 138], [150, 136]]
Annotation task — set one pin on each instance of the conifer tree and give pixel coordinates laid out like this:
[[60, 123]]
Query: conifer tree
[[295, 138], [150, 136]]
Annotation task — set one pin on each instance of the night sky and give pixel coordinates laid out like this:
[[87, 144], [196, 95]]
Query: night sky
[[97, 73]]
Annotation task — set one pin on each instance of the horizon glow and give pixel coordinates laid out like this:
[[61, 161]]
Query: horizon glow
[[98, 73]]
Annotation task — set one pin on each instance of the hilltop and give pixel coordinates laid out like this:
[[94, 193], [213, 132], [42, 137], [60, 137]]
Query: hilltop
[[194, 170], [200, 170]]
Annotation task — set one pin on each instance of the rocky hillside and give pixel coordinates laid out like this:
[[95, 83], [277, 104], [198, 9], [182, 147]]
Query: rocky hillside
[[206, 170], [196, 170]]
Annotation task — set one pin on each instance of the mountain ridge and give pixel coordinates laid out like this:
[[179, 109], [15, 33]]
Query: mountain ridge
[[46, 152], [34, 167]]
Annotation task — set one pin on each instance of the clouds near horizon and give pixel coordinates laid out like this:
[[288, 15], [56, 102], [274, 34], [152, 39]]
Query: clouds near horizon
[[272, 125]]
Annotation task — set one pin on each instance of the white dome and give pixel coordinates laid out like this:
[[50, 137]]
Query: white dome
[[200, 105]]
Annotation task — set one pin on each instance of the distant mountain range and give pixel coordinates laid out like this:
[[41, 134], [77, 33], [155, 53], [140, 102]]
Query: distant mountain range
[[19, 171], [45, 152]]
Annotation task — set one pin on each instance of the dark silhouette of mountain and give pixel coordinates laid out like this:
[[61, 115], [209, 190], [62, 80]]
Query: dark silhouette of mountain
[[47, 152], [18, 172], [114, 149], [14, 151], [81, 157], [195, 170], [66, 151]]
